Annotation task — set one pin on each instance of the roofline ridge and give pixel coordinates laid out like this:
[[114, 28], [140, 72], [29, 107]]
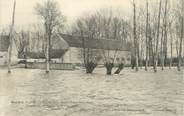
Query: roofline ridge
[[119, 40]]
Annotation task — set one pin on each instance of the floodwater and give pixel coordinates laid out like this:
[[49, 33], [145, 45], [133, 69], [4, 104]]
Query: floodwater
[[28, 92]]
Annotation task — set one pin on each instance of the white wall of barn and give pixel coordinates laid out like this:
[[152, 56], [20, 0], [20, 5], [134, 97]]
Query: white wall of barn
[[74, 55], [3, 57]]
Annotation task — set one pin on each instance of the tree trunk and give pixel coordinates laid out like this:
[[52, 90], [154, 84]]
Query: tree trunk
[[152, 53], [158, 33], [109, 66], [180, 48], [147, 17], [47, 57], [162, 56], [84, 49], [25, 57], [171, 45], [120, 68], [150, 48], [47, 50], [11, 39], [164, 42], [90, 66], [170, 65], [135, 37], [49, 43]]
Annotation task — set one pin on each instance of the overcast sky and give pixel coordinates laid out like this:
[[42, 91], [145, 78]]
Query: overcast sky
[[72, 9]]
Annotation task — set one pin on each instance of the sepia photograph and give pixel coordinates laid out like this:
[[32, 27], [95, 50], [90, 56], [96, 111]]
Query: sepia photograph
[[91, 57]]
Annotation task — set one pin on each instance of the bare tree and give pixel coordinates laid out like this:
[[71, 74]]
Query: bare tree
[[22, 44], [182, 36], [85, 28], [147, 47], [171, 45], [180, 45], [179, 30], [53, 21], [157, 38], [135, 36], [81, 31], [11, 38], [101, 25]]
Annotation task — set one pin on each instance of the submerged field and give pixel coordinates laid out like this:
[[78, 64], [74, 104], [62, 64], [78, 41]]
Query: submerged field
[[28, 92]]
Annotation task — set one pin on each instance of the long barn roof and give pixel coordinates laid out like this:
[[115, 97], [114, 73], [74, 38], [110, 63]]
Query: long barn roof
[[106, 44], [59, 47], [62, 41]]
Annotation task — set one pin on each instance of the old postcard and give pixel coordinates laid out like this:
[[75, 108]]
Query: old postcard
[[91, 58]]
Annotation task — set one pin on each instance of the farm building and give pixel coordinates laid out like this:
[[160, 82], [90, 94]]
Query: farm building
[[104, 49], [69, 49], [37, 51]]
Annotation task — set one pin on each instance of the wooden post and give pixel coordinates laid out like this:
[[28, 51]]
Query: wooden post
[[11, 39]]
